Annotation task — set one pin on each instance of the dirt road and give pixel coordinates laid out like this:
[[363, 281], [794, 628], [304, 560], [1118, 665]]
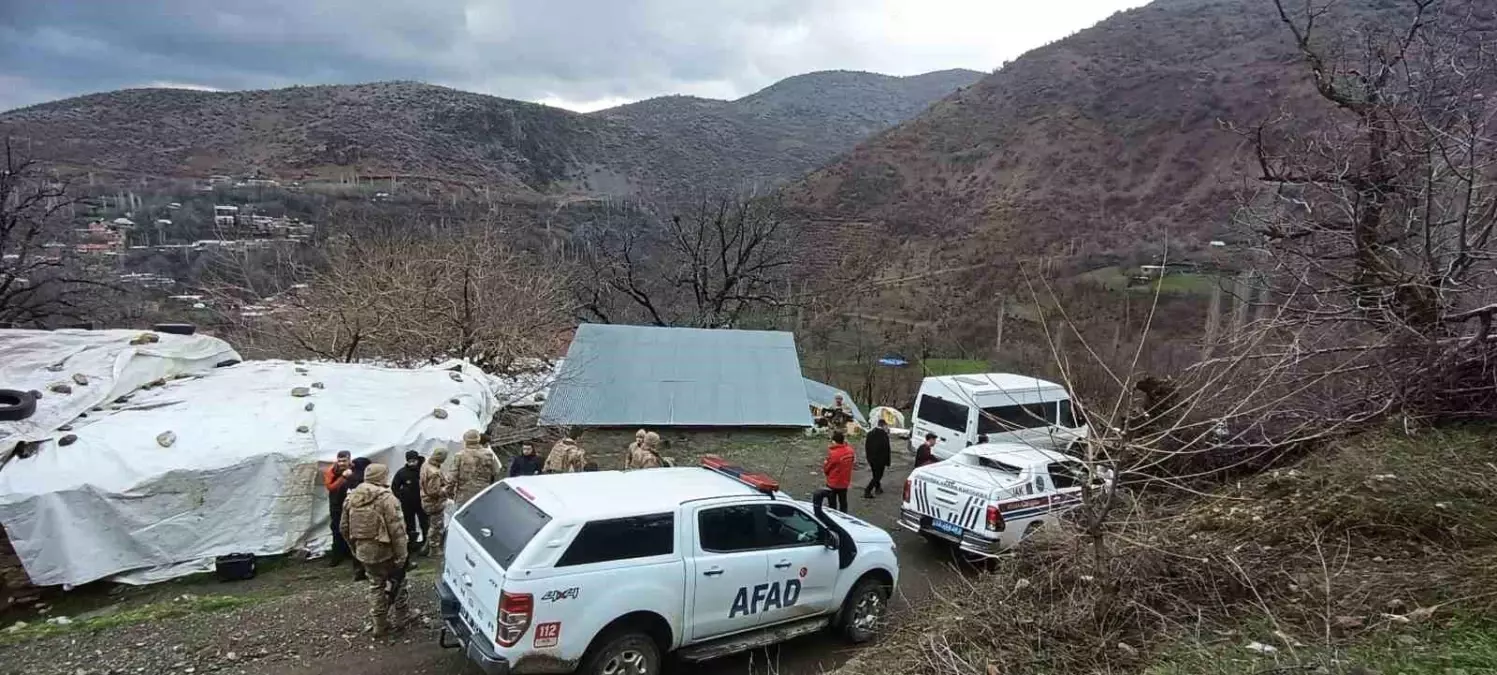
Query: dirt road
[[303, 617]]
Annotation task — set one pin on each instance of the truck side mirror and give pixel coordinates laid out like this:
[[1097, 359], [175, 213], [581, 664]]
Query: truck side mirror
[[830, 540]]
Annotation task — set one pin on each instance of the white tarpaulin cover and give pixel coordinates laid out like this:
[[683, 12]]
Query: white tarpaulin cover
[[37, 359], [239, 478]]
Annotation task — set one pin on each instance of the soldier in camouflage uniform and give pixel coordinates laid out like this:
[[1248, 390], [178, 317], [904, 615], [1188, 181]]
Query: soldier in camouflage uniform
[[576, 458], [474, 468], [434, 500], [631, 457], [566, 457], [373, 526], [649, 452]]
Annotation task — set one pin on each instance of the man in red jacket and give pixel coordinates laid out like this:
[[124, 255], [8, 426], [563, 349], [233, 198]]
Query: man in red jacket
[[336, 479], [838, 470]]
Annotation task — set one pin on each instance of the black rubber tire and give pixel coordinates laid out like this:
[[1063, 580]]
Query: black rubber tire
[[16, 405], [175, 328], [845, 624], [614, 644]]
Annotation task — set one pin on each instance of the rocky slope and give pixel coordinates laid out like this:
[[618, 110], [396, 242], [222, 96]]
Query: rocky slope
[[1100, 141]]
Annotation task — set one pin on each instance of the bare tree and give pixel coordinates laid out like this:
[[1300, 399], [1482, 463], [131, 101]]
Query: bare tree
[[405, 297], [1378, 216], [43, 280], [711, 268]]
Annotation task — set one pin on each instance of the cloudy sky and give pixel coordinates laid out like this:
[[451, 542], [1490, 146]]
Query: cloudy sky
[[579, 54]]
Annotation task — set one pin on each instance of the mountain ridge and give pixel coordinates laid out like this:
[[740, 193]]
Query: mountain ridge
[[652, 148]]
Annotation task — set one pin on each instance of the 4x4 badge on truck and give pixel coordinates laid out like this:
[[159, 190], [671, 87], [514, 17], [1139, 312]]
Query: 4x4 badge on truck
[[563, 594]]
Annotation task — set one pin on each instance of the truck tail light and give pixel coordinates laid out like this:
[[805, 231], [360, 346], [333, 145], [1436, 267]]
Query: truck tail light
[[995, 519], [515, 610], [906, 489]]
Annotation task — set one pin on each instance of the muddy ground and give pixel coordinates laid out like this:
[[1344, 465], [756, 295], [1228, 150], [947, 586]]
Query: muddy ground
[[303, 617]]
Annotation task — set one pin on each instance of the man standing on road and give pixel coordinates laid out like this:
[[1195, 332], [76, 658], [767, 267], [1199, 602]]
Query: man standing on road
[[527, 463], [838, 470], [474, 468], [407, 488], [372, 525], [434, 500], [335, 479], [926, 453], [876, 451]]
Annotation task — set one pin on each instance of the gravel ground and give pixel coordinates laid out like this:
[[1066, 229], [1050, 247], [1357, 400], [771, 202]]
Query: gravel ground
[[302, 617]]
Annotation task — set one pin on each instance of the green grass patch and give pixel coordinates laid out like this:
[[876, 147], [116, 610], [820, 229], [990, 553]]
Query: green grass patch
[[938, 367], [182, 606], [1117, 279], [1464, 645]]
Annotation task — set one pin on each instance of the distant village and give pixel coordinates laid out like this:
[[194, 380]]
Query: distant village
[[144, 241]]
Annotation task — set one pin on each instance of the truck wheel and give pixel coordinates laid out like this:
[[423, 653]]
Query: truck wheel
[[863, 609], [622, 653]]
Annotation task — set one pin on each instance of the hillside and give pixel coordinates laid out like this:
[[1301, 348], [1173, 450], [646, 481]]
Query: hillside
[[664, 145], [784, 130], [1098, 142]]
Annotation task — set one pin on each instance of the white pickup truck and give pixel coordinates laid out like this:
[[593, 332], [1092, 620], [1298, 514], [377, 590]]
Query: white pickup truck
[[988, 498], [607, 572]]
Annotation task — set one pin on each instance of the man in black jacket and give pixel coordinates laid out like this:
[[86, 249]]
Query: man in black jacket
[[527, 463], [407, 489], [876, 451]]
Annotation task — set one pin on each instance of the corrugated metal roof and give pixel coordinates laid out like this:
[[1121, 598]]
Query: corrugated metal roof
[[649, 376], [823, 394]]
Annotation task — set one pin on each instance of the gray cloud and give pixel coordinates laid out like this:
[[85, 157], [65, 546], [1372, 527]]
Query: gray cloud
[[570, 52]]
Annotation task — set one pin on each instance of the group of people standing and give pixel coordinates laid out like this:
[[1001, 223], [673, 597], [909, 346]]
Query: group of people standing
[[840, 459], [644, 452], [381, 525]]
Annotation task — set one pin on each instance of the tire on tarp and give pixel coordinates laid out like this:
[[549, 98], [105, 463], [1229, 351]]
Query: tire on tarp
[[175, 328], [16, 405]]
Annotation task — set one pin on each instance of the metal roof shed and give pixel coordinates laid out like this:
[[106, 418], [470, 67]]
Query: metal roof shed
[[620, 376]]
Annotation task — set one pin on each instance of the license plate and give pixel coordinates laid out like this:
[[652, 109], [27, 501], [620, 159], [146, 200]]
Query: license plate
[[945, 527]]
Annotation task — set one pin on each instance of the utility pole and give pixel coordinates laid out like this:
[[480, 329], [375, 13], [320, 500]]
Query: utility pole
[[1213, 319], [1002, 314]]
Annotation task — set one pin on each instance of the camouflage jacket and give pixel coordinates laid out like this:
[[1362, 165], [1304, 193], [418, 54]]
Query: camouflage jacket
[[433, 487], [372, 524], [473, 469]]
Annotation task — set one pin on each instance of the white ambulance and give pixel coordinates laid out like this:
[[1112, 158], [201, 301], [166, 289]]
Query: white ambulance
[[988, 498], [959, 409], [607, 572]]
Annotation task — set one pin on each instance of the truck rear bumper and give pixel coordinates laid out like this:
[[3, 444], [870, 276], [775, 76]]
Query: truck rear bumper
[[461, 635], [968, 542]]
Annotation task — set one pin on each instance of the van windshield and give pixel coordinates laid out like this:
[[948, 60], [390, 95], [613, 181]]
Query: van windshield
[[1001, 419], [502, 522]]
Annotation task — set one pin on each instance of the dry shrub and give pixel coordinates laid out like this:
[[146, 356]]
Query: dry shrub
[[1381, 533]]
